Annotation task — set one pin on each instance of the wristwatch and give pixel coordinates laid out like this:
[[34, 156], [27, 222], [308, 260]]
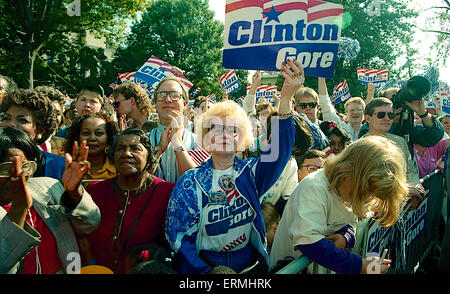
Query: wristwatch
[[424, 115], [179, 148]]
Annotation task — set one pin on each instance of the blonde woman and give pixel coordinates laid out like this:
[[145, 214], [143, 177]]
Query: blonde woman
[[368, 176], [214, 215]]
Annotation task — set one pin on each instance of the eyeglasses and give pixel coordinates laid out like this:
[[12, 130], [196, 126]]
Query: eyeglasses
[[174, 95], [28, 167], [312, 167], [310, 104], [382, 114], [116, 104], [219, 129]]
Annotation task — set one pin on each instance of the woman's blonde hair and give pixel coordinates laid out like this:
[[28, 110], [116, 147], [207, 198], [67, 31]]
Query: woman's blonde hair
[[232, 111], [376, 168]]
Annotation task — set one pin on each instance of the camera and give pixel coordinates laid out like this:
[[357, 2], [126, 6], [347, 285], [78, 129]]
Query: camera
[[415, 89]]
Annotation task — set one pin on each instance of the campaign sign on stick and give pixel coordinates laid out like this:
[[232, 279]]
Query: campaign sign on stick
[[378, 77], [264, 91], [341, 93], [154, 70], [229, 82], [444, 94], [378, 236], [262, 34]]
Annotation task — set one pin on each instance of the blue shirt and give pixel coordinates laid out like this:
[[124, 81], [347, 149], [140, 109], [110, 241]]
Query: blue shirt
[[167, 168]]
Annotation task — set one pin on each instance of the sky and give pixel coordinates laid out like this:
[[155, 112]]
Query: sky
[[421, 40]]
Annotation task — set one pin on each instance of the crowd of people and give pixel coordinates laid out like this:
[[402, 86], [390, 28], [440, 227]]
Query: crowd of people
[[140, 184]]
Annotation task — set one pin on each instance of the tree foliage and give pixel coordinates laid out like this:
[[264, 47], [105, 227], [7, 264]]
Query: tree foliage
[[183, 33], [54, 27]]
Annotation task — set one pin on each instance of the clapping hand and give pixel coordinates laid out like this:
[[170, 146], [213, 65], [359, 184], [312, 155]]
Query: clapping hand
[[123, 123], [76, 167]]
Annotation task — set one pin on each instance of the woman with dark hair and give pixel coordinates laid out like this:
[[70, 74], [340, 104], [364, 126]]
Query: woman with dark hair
[[38, 216], [32, 112], [98, 129], [133, 204], [337, 136]]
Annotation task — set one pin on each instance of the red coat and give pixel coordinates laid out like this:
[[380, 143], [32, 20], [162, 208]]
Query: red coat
[[114, 226]]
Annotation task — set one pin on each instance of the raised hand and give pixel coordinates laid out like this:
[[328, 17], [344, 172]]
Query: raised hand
[[294, 78], [14, 189], [76, 167], [123, 123]]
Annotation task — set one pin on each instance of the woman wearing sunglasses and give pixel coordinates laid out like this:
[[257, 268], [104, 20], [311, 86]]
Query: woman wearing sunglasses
[[214, 215], [38, 216]]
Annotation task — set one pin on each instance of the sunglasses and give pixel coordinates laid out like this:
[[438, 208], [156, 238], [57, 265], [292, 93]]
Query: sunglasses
[[116, 104], [162, 96], [382, 114], [28, 167], [220, 129], [310, 104]]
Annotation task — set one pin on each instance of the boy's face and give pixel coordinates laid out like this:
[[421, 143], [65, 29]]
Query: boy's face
[[88, 102]]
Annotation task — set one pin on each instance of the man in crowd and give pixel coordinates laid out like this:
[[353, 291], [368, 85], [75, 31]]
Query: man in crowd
[[181, 152], [354, 111], [6, 85], [379, 116], [306, 102], [311, 161], [132, 102], [90, 99]]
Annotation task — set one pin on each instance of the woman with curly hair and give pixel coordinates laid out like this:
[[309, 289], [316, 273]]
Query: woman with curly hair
[[33, 113], [98, 129]]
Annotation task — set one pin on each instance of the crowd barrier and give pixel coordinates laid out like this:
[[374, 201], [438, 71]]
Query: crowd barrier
[[421, 231]]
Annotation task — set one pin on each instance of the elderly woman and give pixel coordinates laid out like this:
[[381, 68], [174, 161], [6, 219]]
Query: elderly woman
[[38, 216], [32, 112], [214, 216], [98, 129], [133, 204], [367, 176]]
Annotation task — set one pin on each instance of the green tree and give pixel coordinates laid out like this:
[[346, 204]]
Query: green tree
[[439, 26], [29, 26], [383, 32], [181, 32]]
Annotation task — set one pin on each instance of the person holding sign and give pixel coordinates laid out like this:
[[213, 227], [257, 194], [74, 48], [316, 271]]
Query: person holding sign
[[214, 216], [368, 176], [354, 111]]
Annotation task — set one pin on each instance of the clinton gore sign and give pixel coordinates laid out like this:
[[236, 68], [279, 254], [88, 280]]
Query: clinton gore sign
[[261, 34]]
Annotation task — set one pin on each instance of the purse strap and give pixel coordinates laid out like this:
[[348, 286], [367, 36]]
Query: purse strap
[[139, 216]]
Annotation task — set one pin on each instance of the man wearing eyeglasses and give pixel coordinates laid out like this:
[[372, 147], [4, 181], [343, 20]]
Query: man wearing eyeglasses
[[171, 98], [379, 116], [306, 102], [311, 161]]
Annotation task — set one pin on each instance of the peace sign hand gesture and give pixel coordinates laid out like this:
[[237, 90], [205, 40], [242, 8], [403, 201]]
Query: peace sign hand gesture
[[76, 167]]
